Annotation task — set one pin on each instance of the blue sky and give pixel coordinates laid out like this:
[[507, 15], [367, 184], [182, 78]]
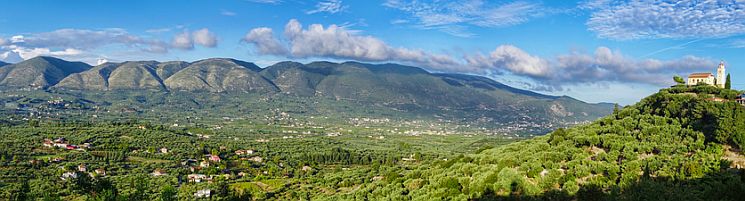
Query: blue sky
[[594, 50]]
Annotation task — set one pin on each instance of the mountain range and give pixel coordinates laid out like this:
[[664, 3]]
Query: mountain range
[[396, 86]]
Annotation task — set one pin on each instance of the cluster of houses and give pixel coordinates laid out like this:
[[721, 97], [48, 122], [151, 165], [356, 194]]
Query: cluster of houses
[[63, 144], [82, 168]]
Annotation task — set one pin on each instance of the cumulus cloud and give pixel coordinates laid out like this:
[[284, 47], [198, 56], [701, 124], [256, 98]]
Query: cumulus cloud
[[608, 65], [512, 59], [337, 42], [453, 17], [328, 6], [205, 38], [182, 41], [602, 66], [186, 40], [648, 19], [264, 40]]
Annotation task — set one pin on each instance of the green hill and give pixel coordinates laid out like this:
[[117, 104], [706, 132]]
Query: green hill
[[167, 69], [294, 78], [677, 144], [114, 76], [220, 75], [38, 72]]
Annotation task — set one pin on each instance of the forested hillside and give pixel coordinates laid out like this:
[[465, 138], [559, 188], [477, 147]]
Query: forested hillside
[[678, 144], [683, 143]]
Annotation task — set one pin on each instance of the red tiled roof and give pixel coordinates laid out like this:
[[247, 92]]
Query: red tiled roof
[[700, 75]]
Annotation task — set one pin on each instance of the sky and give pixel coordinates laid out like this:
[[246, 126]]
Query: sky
[[592, 50]]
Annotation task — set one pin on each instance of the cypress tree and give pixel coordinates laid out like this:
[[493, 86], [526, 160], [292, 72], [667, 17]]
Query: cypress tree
[[728, 83]]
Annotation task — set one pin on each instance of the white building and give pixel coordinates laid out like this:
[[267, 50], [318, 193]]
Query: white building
[[720, 75], [708, 78], [696, 78], [204, 193]]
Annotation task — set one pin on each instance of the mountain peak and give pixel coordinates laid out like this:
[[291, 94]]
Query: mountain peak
[[39, 72], [228, 61]]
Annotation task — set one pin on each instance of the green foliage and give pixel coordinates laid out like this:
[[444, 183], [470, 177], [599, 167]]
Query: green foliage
[[679, 80], [670, 145]]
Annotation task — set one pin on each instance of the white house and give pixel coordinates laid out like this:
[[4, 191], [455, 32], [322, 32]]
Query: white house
[[204, 193], [696, 78]]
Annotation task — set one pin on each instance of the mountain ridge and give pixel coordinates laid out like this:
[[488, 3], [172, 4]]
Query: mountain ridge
[[39, 72], [388, 85]]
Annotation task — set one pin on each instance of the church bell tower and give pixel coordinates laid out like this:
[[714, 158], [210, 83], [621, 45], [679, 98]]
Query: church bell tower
[[721, 75]]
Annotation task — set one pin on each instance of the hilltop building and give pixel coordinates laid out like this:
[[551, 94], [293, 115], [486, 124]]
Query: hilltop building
[[697, 78], [708, 78]]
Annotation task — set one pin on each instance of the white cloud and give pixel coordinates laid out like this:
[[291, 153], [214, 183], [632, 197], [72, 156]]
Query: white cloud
[[158, 30], [329, 6], [399, 21], [81, 44], [17, 39], [512, 59], [74, 43], [264, 40], [205, 38], [603, 66], [80, 39], [453, 17], [227, 13], [608, 65], [182, 41], [186, 40], [337, 42], [10, 57], [738, 43], [266, 1], [648, 19], [549, 74], [27, 53]]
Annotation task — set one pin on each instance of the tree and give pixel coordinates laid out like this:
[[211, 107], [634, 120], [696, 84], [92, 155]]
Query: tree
[[168, 193], [679, 80], [728, 83]]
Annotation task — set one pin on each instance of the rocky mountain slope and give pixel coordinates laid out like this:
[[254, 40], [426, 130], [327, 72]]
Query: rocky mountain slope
[[399, 87], [39, 72]]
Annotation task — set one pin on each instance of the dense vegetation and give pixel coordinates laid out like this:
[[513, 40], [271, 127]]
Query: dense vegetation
[[123, 157], [683, 143], [678, 144]]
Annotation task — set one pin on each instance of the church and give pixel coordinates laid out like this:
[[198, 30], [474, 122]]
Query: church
[[708, 78]]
